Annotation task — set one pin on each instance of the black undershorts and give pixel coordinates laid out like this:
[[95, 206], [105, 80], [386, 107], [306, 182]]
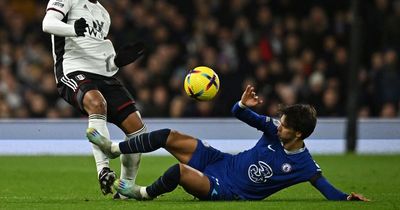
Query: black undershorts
[[120, 103]]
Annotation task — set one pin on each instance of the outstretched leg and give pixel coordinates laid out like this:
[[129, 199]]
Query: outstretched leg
[[179, 145], [192, 180]]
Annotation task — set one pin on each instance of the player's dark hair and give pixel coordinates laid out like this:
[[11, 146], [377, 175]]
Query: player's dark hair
[[300, 117]]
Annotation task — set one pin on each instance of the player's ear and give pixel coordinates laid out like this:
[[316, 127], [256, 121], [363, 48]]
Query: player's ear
[[298, 134]]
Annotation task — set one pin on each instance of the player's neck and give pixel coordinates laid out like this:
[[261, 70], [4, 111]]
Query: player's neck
[[294, 145], [93, 1]]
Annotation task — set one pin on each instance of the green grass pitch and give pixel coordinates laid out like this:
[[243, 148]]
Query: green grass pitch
[[69, 182]]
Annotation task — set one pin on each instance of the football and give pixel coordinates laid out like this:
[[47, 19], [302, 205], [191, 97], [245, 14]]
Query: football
[[201, 83]]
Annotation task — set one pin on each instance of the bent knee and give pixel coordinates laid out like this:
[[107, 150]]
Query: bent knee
[[185, 170], [95, 105], [100, 105], [191, 176], [176, 135]]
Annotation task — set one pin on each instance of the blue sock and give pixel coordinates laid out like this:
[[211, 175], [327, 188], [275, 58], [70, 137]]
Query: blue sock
[[146, 142], [166, 183]]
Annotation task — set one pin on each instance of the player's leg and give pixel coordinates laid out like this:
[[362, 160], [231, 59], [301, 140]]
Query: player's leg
[[192, 180], [96, 107], [132, 126], [180, 145], [123, 113], [80, 90]]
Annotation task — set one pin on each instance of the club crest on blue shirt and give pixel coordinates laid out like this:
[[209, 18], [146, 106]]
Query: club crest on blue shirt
[[286, 167]]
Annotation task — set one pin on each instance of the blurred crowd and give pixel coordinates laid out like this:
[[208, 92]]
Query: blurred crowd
[[292, 51]]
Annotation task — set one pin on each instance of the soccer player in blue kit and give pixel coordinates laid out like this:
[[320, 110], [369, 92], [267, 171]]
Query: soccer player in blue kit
[[278, 160]]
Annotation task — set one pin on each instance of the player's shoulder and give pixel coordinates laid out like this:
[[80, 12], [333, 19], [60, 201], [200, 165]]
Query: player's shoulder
[[64, 4], [77, 2], [73, 3], [100, 5], [309, 160], [272, 120]]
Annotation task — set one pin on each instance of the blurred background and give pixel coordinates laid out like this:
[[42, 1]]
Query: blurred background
[[292, 51]]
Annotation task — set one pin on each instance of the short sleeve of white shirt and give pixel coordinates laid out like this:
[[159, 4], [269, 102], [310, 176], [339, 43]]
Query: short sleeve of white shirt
[[62, 6]]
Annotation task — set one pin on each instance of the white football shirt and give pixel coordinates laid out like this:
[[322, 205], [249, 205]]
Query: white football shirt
[[92, 53]]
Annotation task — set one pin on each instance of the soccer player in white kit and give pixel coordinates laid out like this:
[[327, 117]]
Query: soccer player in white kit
[[84, 64]]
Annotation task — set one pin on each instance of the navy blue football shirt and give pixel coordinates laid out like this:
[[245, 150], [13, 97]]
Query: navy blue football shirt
[[267, 167]]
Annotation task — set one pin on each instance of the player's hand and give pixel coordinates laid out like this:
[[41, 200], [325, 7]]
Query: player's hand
[[129, 53], [356, 197], [80, 27], [249, 97]]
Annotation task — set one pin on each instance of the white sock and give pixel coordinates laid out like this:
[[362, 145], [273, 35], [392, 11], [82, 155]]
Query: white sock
[[115, 148], [143, 192], [99, 122], [130, 162]]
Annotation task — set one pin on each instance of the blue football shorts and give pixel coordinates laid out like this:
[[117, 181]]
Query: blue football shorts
[[211, 162]]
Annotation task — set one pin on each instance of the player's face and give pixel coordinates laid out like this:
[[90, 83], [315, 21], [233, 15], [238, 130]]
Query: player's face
[[285, 133]]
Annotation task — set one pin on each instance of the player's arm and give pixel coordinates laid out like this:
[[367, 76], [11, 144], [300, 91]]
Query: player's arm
[[241, 111], [330, 192], [53, 24]]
